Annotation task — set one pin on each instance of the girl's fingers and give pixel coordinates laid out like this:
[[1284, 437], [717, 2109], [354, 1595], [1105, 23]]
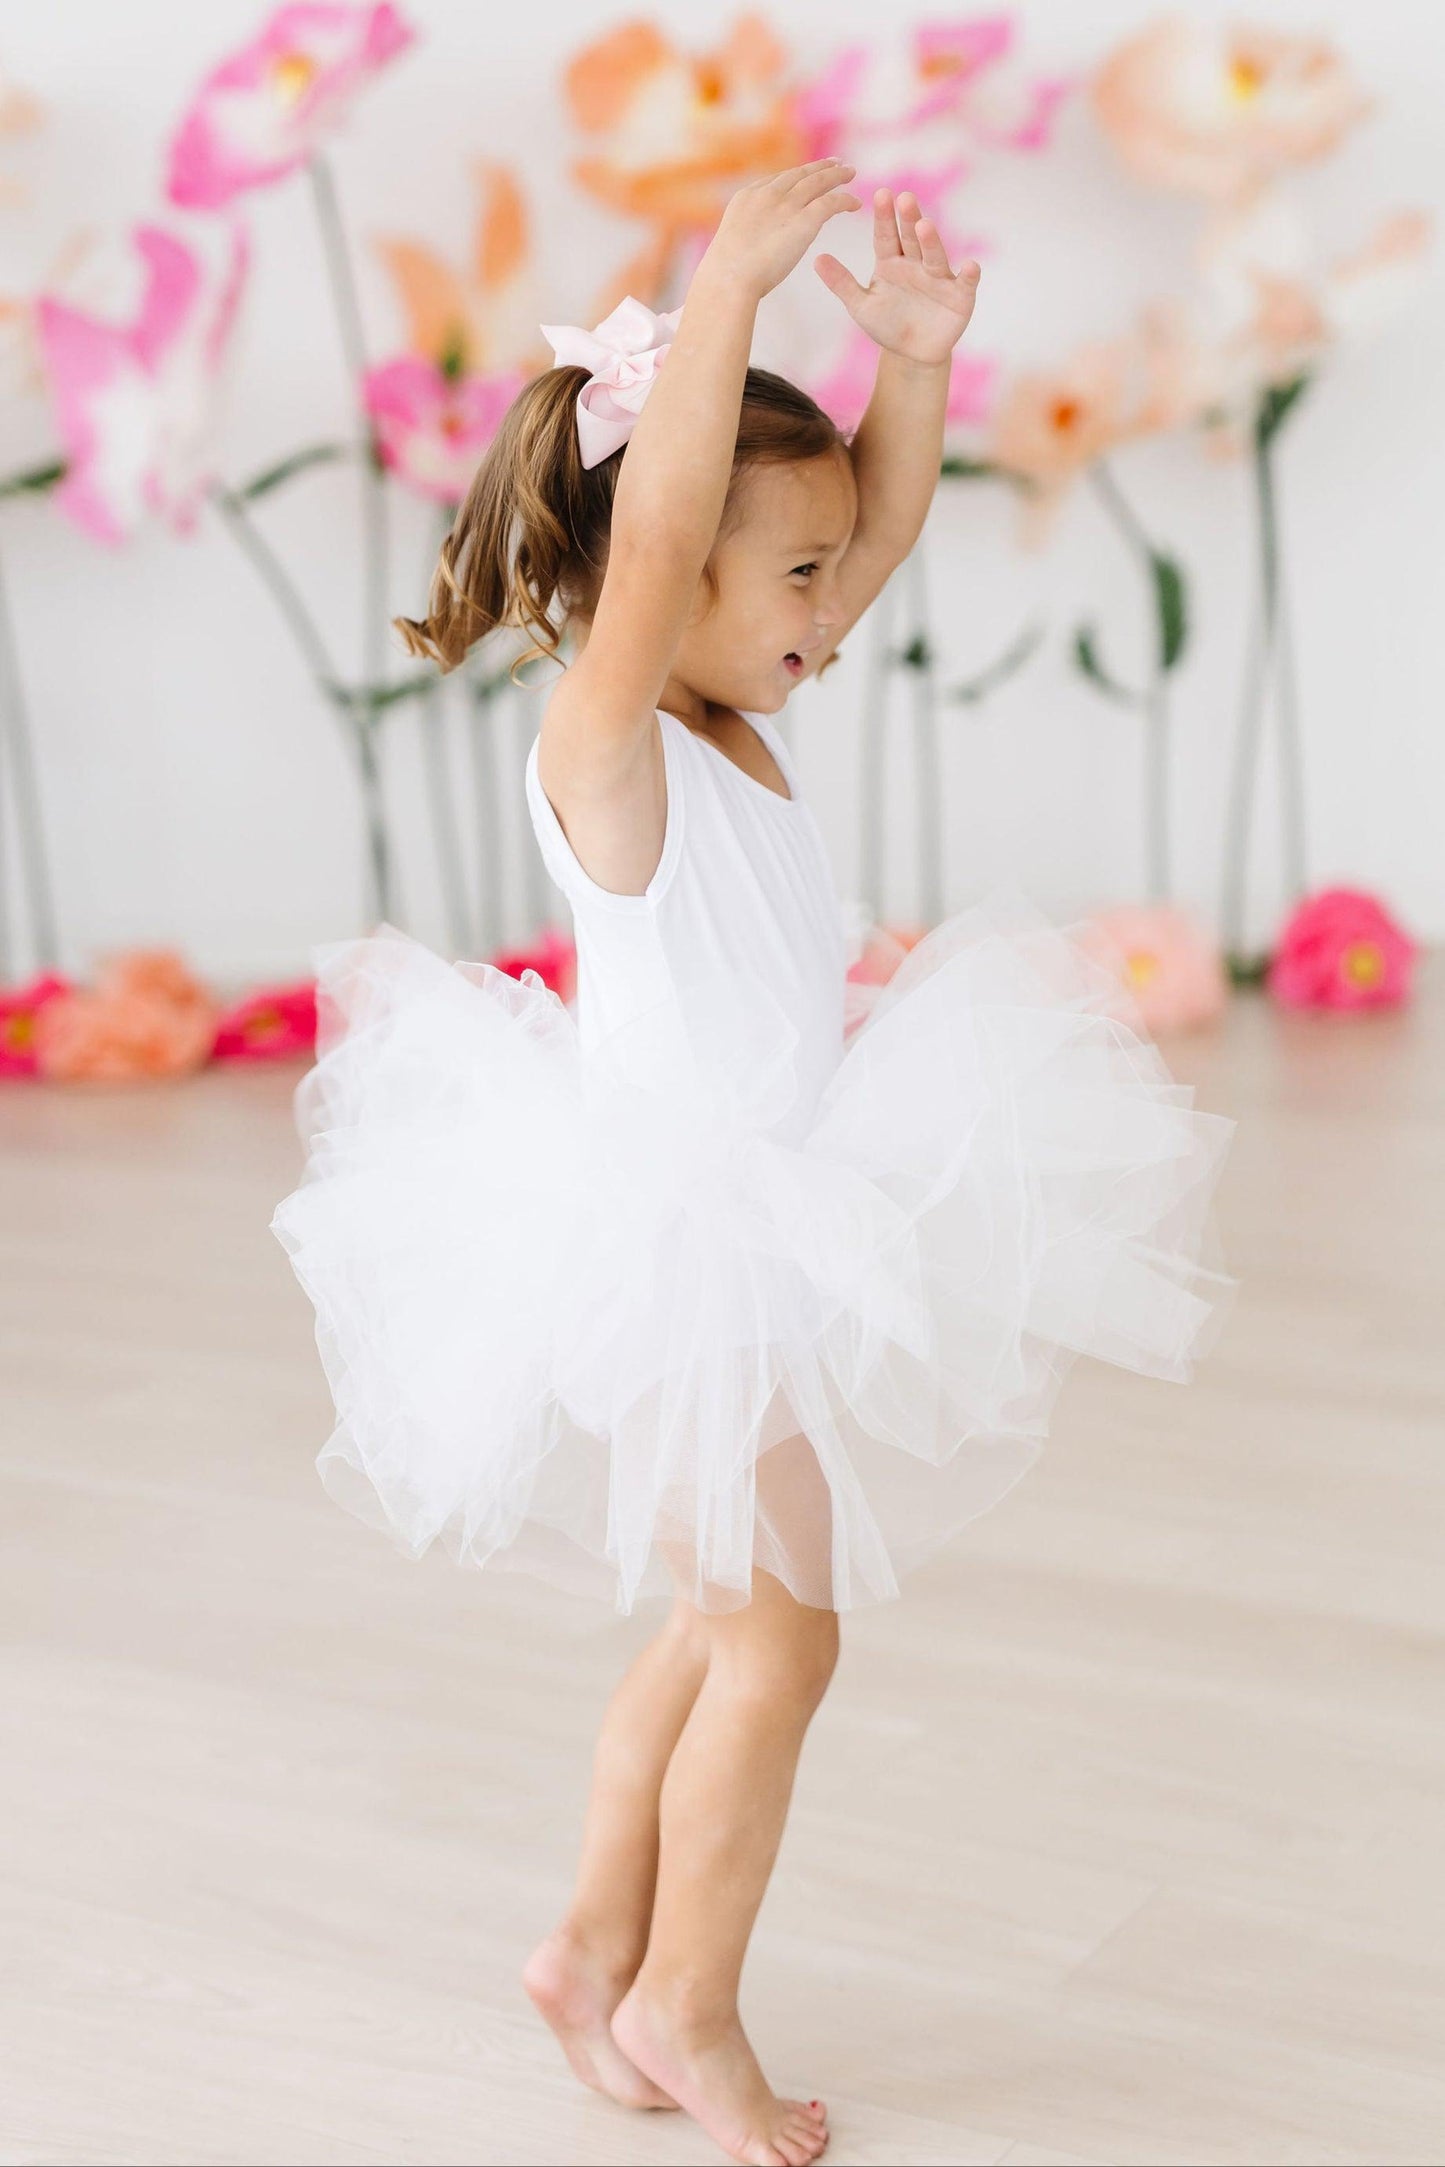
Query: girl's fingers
[[931, 249], [885, 225], [839, 280], [822, 208], [907, 218], [811, 181]]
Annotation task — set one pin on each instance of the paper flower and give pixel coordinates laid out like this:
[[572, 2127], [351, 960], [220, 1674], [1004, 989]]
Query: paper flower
[[553, 957], [431, 428], [20, 1007], [135, 399], [1218, 111], [1049, 426], [273, 1024], [873, 952], [676, 133], [947, 84], [845, 391], [480, 319], [1165, 962], [146, 1016], [267, 108], [1342, 949]]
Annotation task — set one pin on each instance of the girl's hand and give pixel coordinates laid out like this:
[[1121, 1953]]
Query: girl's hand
[[770, 225], [915, 304]]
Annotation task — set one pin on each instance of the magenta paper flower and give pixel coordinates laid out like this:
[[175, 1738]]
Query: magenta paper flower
[[1165, 962], [271, 1024], [135, 400], [553, 956], [432, 427], [266, 109], [844, 392], [19, 1008], [1342, 949], [948, 88]]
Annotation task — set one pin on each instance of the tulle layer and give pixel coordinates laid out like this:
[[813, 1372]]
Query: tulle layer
[[639, 1321]]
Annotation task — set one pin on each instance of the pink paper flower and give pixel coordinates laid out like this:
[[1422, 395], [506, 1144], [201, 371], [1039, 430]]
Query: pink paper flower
[[20, 1007], [135, 399], [553, 957], [147, 1016], [432, 428], [267, 108], [845, 391], [1165, 962], [272, 1024], [1219, 111], [874, 952], [1342, 949]]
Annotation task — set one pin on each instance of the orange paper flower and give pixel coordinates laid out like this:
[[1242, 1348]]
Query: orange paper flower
[[146, 1016]]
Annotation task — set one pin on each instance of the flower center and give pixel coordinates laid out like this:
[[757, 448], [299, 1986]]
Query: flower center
[[1064, 414], [1246, 79], [263, 1023], [1140, 966], [20, 1029], [711, 89], [292, 76], [1362, 964]]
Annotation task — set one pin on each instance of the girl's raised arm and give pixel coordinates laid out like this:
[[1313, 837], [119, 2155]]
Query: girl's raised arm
[[674, 475]]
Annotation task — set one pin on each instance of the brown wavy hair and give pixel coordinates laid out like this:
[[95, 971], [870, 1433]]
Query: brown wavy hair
[[530, 540]]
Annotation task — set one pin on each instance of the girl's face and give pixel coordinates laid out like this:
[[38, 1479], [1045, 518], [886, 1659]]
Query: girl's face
[[776, 574]]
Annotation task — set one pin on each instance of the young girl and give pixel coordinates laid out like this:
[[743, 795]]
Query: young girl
[[687, 1295]]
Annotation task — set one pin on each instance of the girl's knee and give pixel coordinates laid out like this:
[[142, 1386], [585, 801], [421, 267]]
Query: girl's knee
[[781, 1654]]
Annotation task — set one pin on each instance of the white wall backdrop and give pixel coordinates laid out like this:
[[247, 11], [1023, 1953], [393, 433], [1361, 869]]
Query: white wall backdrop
[[197, 792]]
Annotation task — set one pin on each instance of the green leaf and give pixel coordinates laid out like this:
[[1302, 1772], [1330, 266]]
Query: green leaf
[[1245, 970], [1086, 656], [35, 481], [285, 470], [373, 699], [972, 470], [1170, 601], [917, 655], [1275, 403], [1009, 663]]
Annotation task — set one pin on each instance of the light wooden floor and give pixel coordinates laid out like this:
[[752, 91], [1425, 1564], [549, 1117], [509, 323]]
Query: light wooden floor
[[1119, 1839]]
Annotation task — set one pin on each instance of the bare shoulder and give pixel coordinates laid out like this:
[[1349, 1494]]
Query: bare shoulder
[[607, 785]]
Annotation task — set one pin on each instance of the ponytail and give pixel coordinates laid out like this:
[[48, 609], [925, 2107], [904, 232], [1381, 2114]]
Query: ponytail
[[530, 540]]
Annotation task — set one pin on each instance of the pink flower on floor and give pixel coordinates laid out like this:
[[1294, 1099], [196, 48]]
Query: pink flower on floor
[[272, 1024], [135, 399], [553, 957], [20, 1006], [431, 428], [1342, 949], [874, 953], [1219, 111], [844, 392], [267, 108], [1165, 962], [146, 1016]]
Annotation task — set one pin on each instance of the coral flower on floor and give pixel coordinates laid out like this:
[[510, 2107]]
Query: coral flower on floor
[[146, 1016], [19, 1008]]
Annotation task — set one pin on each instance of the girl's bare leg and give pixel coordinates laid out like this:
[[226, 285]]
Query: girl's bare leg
[[580, 1972], [724, 1799]]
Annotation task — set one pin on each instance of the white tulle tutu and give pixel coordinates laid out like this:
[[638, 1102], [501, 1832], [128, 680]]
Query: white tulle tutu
[[621, 1322]]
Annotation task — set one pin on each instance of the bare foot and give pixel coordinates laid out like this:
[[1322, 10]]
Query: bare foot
[[713, 2073], [576, 1991]]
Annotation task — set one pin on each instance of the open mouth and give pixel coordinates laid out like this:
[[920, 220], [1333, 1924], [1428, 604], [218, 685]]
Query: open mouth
[[793, 664]]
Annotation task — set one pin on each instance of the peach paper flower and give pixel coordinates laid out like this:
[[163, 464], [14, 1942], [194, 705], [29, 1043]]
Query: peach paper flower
[[1165, 962], [1341, 949], [20, 1007], [1049, 426], [146, 1016], [268, 107], [272, 1024], [479, 318], [1217, 111], [874, 951], [676, 133]]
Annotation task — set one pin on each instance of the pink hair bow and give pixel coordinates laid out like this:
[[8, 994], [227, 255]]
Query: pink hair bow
[[623, 354]]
